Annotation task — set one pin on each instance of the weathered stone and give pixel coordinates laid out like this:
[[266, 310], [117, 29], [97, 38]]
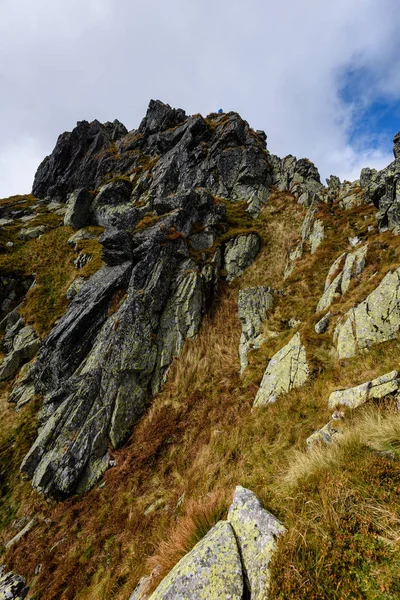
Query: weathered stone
[[330, 293], [113, 207], [286, 370], [256, 531], [375, 320], [82, 260], [326, 434], [21, 533], [78, 208], [253, 305], [211, 570], [81, 234], [323, 323], [339, 278], [384, 385], [32, 233], [5, 222], [23, 389], [317, 235], [75, 287], [240, 253], [352, 397], [353, 266], [25, 345], [377, 388], [79, 160], [12, 587]]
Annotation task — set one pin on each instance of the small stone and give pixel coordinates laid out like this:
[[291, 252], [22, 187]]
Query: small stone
[[323, 323], [354, 241], [33, 233], [10, 244]]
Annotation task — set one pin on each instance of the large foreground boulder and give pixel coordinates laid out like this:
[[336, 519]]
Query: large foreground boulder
[[256, 531], [211, 570]]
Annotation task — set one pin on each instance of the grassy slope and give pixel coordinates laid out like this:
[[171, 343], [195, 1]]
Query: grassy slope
[[200, 438]]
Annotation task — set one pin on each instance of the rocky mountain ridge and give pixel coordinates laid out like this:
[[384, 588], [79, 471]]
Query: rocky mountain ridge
[[182, 201]]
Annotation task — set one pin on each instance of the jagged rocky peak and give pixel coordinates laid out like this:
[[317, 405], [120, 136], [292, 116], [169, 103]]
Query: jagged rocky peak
[[165, 248]]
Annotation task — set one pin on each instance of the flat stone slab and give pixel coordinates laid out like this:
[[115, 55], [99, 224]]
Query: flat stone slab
[[212, 569], [286, 370], [375, 389]]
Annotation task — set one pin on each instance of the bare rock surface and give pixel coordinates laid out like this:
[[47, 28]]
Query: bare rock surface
[[375, 320], [211, 570], [256, 531], [253, 305], [286, 370]]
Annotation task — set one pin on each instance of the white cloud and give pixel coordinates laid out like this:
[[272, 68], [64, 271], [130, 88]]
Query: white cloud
[[280, 65]]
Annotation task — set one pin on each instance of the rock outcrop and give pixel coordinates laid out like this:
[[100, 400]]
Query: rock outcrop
[[375, 320], [256, 531], [370, 390], [232, 560], [345, 268], [382, 188], [12, 587], [286, 370], [253, 305], [211, 570]]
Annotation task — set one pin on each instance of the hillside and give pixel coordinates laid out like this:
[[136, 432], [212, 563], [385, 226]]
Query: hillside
[[199, 364]]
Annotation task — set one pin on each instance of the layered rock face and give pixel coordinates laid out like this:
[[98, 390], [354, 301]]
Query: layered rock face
[[383, 189]]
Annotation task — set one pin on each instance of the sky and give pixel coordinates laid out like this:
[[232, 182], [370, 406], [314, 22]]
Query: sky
[[322, 79]]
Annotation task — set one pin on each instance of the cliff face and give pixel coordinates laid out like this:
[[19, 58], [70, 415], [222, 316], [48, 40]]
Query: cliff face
[[128, 242]]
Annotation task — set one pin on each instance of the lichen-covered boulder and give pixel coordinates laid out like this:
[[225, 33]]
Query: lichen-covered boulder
[[343, 270], [240, 253], [286, 370], [12, 587], [327, 434], [375, 389], [25, 345], [323, 323], [253, 305], [375, 320], [211, 570], [78, 208], [256, 531]]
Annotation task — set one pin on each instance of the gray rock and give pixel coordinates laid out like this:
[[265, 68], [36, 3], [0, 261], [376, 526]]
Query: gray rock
[[211, 570], [376, 389], [75, 287], [78, 208], [23, 389], [5, 222], [286, 370], [117, 339], [32, 233], [375, 320], [82, 260], [27, 218], [323, 323], [12, 587], [81, 234], [240, 253], [256, 531], [253, 305], [327, 434], [317, 235], [113, 207], [21, 533], [25, 346], [339, 278]]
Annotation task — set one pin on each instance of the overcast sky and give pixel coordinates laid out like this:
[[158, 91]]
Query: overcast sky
[[321, 78]]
